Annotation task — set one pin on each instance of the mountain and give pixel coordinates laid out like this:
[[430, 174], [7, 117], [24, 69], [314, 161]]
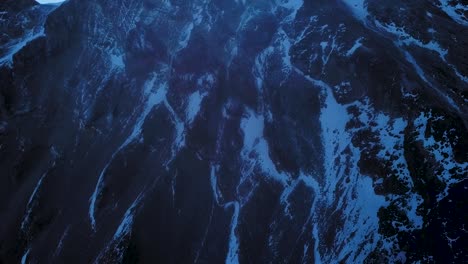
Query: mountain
[[207, 131]]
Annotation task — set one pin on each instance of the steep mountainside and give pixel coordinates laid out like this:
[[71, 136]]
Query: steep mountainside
[[209, 131]]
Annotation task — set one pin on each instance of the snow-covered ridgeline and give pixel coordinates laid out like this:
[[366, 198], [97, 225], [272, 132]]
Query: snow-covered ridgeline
[[359, 215], [252, 126], [390, 139], [233, 248], [357, 203], [355, 47], [456, 12], [31, 203], [154, 97], [358, 9], [179, 140], [123, 231], [255, 151], [153, 94], [194, 104], [233, 243], [24, 258], [404, 40], [15, 47], [352, 198], [60, 243]]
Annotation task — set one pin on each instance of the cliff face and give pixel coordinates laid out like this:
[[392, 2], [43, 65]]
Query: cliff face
[[233, 131]]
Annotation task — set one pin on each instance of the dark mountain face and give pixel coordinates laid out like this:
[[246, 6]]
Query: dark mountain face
[[282, 131]]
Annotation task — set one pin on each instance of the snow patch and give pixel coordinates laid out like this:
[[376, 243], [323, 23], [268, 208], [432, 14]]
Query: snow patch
[[30, 205], [255, 151], [358, 8], [356, 46], [117, 61], [233, 250], [456, 12], [24, 259], [357, 200], [194, 105], [16, 47]]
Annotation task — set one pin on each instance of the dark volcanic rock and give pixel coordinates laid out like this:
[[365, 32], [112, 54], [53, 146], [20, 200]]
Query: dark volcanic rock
[[143, 131]]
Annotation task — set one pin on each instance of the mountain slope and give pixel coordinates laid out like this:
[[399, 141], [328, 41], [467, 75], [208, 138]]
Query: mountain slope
[[206, 131]]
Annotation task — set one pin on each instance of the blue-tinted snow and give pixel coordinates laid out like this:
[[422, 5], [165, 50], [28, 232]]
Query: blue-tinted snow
[[194, 104], [16, 47], [233, 250], [456, 12], [355, 47], [50, 1], [358, 8], [442, 153], [32, 198], [24, 259], [254, 144], [154, 94], [358, 202]]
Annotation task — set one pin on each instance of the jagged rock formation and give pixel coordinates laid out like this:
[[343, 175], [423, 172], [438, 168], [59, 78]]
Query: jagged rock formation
[[200, 131]]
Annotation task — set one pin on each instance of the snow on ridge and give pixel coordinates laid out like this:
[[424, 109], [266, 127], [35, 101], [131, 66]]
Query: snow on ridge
[[152, 97], [123, 230], [127, 221], [50, 1], [442, 152], [24, 258], [406, 39], [117, 61], [32, 198], [185, 36], [355, 47], [451, 11], [179, 140], [362, 204], [15, 48], [233, 249], [59, 247], [232, 256], [195, 100], [293, 6], [391, 138], [358, 8], [194, 105], [37, 31], [214, 184], [252, 126]]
